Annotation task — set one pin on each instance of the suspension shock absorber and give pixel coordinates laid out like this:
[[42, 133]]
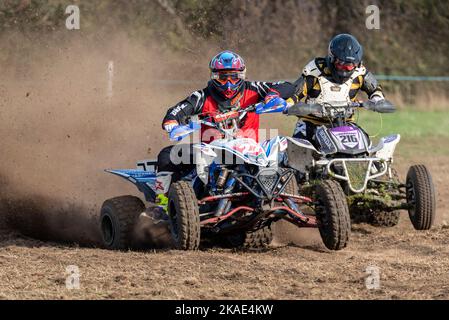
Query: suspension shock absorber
[[224, 204], [221, 180], [292, 205]]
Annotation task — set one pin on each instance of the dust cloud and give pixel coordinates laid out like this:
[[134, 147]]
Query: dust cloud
[[60, 129]]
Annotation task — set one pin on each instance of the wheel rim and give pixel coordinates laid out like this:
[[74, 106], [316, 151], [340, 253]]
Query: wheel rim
[[107, 228]]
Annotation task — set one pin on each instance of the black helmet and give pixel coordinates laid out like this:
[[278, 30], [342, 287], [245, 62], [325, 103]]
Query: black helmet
[[345, 54]]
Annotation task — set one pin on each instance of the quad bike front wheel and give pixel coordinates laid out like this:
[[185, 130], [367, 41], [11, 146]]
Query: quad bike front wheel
[[117, 220], [332, 212], [258, 239], [421, 197], [184, 216]]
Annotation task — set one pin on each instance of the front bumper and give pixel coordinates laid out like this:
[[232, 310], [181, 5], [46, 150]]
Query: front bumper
[[267, 184], [356, 172]]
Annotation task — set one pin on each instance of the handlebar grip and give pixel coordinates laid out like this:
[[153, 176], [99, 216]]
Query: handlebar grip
[[383, 106], [303, 109]]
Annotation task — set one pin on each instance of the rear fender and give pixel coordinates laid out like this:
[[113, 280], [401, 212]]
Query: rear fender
[[149, 183]]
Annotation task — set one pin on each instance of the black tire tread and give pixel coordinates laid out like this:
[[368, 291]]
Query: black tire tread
[[425, 203], [335, 235], [258, 239], [188, 216], [127, 209], [385, 219]]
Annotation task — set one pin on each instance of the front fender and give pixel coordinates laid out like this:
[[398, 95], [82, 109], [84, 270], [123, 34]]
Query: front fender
[[300, 154], [204, 156], [302, 144], [388, 147]]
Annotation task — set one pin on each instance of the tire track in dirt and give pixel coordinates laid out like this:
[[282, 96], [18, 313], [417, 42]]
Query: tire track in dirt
[[413, 265]]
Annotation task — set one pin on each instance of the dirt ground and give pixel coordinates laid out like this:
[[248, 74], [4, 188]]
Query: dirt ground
[[412, 265]]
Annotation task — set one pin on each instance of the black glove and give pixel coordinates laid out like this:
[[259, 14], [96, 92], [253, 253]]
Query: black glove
[[381, 106]]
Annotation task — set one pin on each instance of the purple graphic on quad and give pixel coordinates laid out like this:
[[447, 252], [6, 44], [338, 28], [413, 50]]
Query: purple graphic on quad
[[348, 137]]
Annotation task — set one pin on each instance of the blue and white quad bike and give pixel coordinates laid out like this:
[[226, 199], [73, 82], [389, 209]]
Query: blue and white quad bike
[[343, 152], [235, 192]]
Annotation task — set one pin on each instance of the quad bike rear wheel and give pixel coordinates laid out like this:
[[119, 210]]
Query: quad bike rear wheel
[[184, 216], [117, 220], [421, 197], [334, 221], [375, 217], [258, 239], [387, 219], [374, 212]]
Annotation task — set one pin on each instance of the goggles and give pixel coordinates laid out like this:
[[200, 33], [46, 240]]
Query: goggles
[[225, 77], [344, 66]]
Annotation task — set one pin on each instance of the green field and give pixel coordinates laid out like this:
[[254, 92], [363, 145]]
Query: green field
[[410, 124], [423, 133]]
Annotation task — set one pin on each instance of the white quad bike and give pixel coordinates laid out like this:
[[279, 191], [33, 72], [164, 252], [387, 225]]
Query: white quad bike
[[235, 193], [342, 151]]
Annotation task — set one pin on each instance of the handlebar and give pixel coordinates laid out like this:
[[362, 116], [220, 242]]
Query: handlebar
[[303, 109], [212, 121], [220, 120]]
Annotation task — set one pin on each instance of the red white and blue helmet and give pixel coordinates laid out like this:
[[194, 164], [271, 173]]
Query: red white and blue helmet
[[228, 72]]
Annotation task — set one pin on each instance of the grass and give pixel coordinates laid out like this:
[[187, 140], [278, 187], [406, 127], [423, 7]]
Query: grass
[[423, 132], [410, 124]]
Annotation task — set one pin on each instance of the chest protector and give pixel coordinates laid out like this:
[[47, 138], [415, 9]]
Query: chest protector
[[335, 93]]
